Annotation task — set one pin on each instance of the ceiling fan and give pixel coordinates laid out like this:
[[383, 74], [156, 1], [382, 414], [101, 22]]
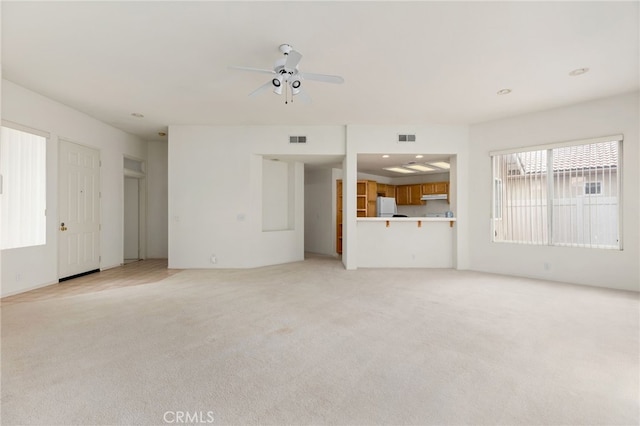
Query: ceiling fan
[[286, 75]]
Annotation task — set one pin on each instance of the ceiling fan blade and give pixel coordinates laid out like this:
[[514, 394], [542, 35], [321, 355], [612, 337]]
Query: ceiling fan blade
[[293, 59], [336, 79], [303, 96], [261, 89], [260, 70]]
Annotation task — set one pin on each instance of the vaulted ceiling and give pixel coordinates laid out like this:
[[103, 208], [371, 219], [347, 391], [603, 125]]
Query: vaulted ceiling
[[403, 62]]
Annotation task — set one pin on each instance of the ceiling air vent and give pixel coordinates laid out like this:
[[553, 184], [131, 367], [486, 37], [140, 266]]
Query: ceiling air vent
[[406, 138], [297, 139]]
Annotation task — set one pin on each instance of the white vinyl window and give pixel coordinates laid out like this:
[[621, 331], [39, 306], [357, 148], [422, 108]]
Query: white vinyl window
[[23, 199], [564, 195]]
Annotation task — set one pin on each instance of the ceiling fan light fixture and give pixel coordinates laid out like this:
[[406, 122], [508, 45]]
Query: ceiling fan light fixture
[[295, 84], [277, 82], [277, 90]]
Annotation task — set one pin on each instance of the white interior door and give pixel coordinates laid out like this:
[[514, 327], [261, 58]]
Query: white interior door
[[131, 219], [79, 209]]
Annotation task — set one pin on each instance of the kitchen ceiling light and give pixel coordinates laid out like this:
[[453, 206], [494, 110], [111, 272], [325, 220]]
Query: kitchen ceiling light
[[504, 91], [419, 156], [578, 71], [418, 167], [441, 165], [385, 156], [398, 170]]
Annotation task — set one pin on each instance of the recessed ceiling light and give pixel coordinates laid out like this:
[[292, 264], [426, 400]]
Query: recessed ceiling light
[[137, 115], [578, 71], [419, 167], [504, 91], [385, 156], [418, 156], [162, 134], [441, 165], [398, 170]]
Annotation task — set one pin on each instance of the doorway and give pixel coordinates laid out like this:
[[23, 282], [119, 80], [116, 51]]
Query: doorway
[[131, 220], [134, 210]]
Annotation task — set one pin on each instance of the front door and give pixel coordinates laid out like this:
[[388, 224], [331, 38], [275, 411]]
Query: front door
[[79, 209]]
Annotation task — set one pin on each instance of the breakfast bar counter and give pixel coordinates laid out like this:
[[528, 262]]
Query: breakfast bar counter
[[405, 242]]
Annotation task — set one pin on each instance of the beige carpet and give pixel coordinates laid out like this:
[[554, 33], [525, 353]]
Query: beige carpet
[[311, 343]]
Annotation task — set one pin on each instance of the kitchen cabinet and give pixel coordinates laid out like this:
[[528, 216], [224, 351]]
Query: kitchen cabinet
[[435, 188], [409, 195], [415, 192], [366, 198], [402, 195], [390, 191], [366, 195]]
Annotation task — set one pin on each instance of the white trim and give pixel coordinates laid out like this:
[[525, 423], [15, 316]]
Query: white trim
[[601, 139], [134, 174], [27, 129]]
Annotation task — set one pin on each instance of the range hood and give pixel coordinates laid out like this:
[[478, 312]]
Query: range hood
[[433, 197]]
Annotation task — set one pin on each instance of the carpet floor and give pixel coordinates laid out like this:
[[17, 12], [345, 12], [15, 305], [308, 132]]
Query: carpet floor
[[312, 343]]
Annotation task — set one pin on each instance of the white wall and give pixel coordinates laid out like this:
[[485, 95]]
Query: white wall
[[33, 267], [430, 139], [319, 217], [157, 201], [405, 245], [606, 268], [215, 193]]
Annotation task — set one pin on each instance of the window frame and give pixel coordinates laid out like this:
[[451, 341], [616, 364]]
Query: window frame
[[47, 138], [619, 139]]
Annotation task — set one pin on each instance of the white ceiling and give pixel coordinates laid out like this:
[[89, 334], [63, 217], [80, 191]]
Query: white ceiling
[[403, 62]]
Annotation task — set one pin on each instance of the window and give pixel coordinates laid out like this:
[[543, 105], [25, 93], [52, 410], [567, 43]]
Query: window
[[564, 195], [593, 188], [23, 169]]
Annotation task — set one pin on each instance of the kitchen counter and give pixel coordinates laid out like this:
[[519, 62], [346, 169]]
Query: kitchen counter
[[407, 219], [405, 242]]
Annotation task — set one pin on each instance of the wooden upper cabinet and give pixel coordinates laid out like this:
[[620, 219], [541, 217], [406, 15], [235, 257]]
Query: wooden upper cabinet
[[435, 188], [390, 191], [402, 195], [410, 195], [415, 192]]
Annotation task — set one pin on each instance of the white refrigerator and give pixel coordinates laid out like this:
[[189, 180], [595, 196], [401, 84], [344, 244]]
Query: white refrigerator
[[386, 207]]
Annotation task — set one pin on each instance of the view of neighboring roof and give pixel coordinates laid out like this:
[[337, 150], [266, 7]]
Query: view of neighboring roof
[[577, 157]]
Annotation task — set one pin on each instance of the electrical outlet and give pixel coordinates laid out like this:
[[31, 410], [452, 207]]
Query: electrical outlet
[[213, 259]]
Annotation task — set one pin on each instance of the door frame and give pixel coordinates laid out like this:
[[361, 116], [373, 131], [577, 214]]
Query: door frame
[[142, 204]]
